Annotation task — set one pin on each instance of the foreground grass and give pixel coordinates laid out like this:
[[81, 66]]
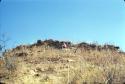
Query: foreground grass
[[53, 66]]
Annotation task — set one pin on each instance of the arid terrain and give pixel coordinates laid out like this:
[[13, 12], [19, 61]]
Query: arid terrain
[[46, 62]]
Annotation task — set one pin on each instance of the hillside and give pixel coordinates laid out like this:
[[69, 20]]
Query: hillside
[[46, 62]]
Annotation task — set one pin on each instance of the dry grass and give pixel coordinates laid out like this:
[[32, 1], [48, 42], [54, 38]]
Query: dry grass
[[52, 66]]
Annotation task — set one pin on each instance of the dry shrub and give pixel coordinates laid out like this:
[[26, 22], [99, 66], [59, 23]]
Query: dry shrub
[[10, 63]]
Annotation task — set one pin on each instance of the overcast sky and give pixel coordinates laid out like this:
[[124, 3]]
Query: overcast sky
[[25, 21]]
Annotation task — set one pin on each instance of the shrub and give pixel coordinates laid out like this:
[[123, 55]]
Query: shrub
[[10, 63]]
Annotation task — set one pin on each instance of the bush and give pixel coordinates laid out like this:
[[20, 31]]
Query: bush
[[39, 41], [10, 63]]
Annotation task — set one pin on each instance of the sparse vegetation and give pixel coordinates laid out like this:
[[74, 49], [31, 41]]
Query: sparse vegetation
[[89, 64]]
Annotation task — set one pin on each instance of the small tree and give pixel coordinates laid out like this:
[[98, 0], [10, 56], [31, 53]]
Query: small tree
[[9, 61], [3, 43]]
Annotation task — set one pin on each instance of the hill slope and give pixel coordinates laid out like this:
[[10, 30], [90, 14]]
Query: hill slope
[[42, 64]]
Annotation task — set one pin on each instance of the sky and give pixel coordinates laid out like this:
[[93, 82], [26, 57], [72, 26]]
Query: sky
[[26, 21]]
